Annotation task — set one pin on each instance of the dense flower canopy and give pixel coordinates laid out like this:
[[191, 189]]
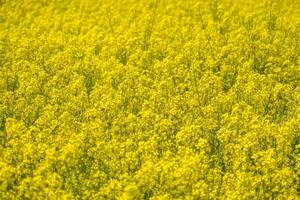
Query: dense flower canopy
[[149, 99]]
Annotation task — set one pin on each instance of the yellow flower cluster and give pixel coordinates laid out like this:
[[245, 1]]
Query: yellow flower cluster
[[149, 99]]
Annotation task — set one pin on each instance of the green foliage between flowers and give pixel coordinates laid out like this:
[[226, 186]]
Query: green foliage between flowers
[[149, 99]]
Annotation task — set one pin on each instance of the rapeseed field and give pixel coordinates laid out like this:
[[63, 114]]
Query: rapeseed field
[[149, 99]]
